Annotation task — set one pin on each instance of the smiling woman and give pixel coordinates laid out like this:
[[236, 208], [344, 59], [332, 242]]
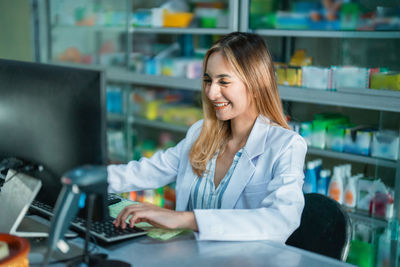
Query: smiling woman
[[238, 172]]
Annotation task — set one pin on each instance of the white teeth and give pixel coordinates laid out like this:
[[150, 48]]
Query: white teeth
[[221, 105]]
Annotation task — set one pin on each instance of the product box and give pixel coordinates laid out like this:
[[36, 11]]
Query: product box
[[385, 80], [385, 144], [349, 77], [335, 137], [288, 75], [316, 77], [306, 131], [357, 140], [321, 124]]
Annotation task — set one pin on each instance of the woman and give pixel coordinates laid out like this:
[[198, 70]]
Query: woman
[[238, 172]]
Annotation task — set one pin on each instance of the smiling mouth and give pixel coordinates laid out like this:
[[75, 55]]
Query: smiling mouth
[[220, 105]]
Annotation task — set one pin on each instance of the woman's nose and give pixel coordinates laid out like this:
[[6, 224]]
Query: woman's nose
[[213, 91]]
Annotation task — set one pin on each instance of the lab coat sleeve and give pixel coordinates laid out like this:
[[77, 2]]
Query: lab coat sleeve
[[147, 173], [279, 213]]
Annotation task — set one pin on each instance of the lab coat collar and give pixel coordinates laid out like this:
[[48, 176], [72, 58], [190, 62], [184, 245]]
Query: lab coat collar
[[245, 167]]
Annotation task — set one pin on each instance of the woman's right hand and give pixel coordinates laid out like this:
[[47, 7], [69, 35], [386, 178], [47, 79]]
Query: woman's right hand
[[156, 216]]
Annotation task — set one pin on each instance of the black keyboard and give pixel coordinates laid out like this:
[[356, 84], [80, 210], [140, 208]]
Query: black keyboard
[[104, 231]]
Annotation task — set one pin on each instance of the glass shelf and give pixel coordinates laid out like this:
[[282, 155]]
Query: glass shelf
[[112, 117], [195, 31], [330, 34], [159, 124], [363, 216], [381, 100], [90, 28], [352, 157], [120, 75]]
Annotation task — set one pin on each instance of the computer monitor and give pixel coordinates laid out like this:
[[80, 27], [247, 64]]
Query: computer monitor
[[53, 116]]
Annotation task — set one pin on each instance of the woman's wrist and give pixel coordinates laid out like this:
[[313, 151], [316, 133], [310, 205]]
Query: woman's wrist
[[188, 220]]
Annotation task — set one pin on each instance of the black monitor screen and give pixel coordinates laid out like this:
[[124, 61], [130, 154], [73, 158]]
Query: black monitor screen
[[53, 116]]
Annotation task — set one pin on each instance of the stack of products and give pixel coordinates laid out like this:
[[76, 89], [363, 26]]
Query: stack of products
[[335, 132], [353, 191], [300, 72]]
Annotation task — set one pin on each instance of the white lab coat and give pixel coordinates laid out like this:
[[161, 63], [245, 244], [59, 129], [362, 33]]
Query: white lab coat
[[263, 200]]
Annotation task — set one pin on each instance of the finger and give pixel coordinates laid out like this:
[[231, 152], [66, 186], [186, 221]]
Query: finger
[[122, 216]]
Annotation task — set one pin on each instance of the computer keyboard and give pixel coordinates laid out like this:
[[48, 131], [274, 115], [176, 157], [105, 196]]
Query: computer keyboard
[[104, 231]]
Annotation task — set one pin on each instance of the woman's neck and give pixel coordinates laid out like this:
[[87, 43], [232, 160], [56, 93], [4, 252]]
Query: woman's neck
[[240, 131]]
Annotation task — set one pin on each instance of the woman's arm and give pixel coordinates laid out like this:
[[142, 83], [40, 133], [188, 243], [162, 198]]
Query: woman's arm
[[156, 216]]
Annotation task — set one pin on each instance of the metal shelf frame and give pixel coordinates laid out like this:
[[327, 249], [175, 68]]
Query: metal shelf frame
[[329, 34], [352, 157], [376, 100], [123, 75], [165, 30], [159, 124]]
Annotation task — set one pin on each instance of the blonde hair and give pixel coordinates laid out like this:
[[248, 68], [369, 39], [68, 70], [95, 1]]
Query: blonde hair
[[248, 55]]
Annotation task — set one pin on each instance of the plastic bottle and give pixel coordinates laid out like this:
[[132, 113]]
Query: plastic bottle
[[323, 182], [318, 167], [310, 181], [346, 174], [335, 190], [350, 192], [384, 243]]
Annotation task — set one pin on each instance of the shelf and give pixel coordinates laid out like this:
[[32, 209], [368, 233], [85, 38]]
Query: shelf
[[123, 75], [352, 157], [363, 216], [118, 157], [377, 100], [94, 28], [159, 125], [112, 117], [383, 100], [330, 34], [196, 31]]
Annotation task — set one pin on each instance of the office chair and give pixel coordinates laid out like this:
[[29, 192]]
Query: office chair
[[325, 228]]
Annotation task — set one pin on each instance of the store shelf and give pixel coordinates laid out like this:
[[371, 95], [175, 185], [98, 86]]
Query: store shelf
[[94, 28], [122, 75], [195, 31], [383, 100], [377, 100], [112, 117], [352, 157], [159, 124], [330, 34], [363, 216], [122, 158]]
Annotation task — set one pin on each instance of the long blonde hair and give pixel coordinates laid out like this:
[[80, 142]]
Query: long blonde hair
[[248, 55]]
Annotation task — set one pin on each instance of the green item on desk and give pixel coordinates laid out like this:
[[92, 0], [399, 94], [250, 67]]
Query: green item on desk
[[153, 232], [165, 234]]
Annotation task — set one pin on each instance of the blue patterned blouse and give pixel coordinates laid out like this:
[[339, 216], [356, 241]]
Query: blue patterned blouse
[[203, 194]]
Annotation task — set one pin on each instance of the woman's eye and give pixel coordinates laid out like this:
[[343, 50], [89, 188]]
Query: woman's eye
[[224, 82], [207, 80]]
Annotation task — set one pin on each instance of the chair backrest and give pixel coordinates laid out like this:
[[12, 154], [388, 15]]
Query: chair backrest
[[325, 228]]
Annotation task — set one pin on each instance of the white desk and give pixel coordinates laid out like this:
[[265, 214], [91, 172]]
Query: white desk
[[186, 251]]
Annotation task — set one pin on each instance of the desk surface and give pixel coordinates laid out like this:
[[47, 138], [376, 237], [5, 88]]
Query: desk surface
[[186, 251]]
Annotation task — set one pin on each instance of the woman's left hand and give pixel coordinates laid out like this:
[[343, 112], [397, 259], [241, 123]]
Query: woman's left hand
[[156, 216]]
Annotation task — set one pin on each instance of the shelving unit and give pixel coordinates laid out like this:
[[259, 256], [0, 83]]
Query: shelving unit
[[358, 98]]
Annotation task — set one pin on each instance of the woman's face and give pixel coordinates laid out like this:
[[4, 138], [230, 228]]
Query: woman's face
[[226, 91]]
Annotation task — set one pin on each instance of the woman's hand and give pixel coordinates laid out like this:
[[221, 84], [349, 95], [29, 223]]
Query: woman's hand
[[156, 216]]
